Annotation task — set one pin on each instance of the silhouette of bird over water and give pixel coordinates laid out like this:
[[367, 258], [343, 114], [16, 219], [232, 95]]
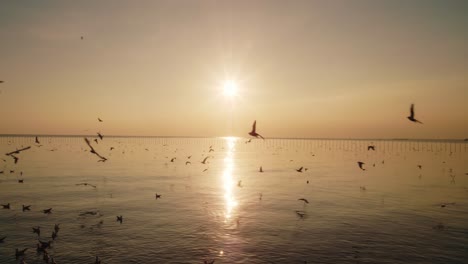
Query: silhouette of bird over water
[[37, 140], [254, 133], [26, 207], [37, 230], [371, 147], [19, 253], [47, 211], [6, 206], [157, 196], [304, 200], [100, 120], [204, 160], [411, 117], [100, 136], [300, 169], [261, 169], [94, 151], [360, 163], [119, 219]]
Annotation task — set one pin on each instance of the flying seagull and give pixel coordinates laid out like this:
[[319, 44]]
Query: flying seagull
[[303, 199], [17, 151], [100, 135], [204, 160], [26, 207], [120, 219], [254, 133], [411, 117], [371, 147], [360, 163], [300, 169], [103, 159]]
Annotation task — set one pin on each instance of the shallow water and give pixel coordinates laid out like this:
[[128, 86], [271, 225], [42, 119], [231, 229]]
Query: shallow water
[[205, 215]]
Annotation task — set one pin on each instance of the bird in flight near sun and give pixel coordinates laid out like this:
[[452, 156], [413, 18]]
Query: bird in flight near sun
[[411, 117], [254, 133]]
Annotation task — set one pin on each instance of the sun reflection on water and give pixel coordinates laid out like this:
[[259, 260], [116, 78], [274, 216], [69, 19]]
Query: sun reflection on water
[[228, 182]]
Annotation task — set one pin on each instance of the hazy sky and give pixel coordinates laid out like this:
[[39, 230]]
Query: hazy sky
[[304, 68]]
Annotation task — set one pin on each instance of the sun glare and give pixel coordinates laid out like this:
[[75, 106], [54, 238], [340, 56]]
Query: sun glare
[[230, 88]]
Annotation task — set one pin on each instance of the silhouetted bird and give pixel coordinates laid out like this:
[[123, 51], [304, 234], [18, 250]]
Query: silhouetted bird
[[37, 230], [95, 140], [303, 199], [187, 162], [239, 184], [157, 196], [248, 141], [204, 160], [14, 158], [119, 219], [99, 119], [86, 184], [6, 206], [26, 207], [254, 133], [103, 159], [173, 159], [360, 163], [419, 166], [411, 117], [300, 169], [19, 253], [301, 214], [37, 140], [370, 147], [261, 169], [20, 181], [100, 136], [47, 211], [204, 170]]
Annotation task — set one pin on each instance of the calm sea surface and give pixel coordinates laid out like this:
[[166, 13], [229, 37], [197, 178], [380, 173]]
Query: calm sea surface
[[226, 210]]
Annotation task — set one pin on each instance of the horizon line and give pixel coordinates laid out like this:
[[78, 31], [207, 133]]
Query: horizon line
[[194, 137]]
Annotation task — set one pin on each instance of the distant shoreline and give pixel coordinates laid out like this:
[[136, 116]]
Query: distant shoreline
[[275, 138]]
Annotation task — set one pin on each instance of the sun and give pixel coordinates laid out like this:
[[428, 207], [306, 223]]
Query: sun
[[230, 88]]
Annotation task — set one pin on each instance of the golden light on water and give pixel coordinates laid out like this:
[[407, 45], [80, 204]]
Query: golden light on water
[[228, 182]]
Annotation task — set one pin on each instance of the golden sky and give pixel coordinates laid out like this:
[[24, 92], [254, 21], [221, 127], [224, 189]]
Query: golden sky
[[346, 69]]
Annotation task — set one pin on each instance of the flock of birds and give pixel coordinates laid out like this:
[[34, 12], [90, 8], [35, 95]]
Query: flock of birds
[[43, 246]]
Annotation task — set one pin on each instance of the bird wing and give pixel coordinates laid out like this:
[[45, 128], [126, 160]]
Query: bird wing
[[254, 126], [412, 110]]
